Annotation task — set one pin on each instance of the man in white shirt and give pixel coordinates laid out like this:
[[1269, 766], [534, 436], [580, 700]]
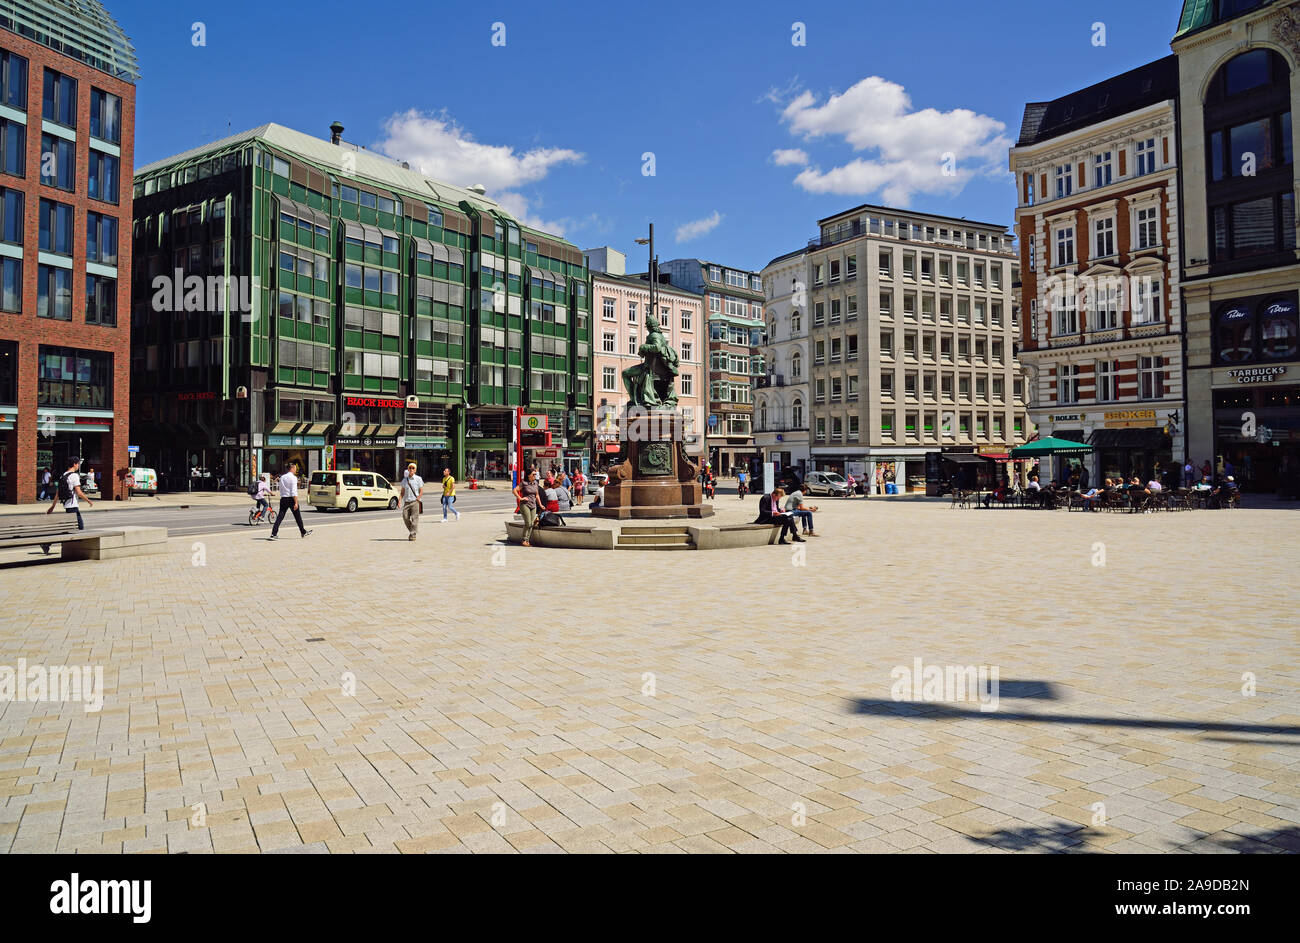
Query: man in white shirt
[[69, 490], [289, 501], [411, 500]]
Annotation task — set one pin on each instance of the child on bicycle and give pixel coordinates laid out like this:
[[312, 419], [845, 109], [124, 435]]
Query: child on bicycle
[[263, 496]]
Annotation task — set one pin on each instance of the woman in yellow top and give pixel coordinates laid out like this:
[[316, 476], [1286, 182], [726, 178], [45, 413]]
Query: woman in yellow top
[[448, 495]]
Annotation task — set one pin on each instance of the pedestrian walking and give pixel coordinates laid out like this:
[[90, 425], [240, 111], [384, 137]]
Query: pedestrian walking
[[448, 494], [69, 492], [742, 483], [128, 485], [412, 501], [530, 505], [45, 491], [289, 501], [579, 487]]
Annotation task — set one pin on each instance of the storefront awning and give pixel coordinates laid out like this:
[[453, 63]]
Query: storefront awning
[[1151, 439], [964, 458]]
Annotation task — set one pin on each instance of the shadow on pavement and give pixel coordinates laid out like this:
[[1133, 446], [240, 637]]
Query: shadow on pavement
[[930, 710]]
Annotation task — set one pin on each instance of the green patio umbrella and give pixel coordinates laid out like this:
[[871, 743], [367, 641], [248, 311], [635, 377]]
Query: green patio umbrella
[[1050, 446]]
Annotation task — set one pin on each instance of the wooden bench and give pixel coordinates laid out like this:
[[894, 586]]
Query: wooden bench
[[42, 530]]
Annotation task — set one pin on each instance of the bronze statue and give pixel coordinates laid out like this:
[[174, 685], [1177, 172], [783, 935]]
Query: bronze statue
[[652, 384]]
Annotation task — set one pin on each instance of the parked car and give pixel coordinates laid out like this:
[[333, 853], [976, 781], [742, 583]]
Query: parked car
[[350, 490], [596, 481], [828, 483]]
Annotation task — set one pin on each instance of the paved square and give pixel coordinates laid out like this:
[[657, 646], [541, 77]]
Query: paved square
[[467, 697]]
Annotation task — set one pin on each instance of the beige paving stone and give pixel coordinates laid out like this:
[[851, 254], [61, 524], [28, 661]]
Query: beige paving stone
[[456, 712]]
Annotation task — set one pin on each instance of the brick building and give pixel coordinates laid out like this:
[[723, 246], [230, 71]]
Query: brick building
[[1098, 219], [67, 110]]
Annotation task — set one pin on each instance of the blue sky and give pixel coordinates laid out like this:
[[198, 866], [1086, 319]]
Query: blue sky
[[556, 121]]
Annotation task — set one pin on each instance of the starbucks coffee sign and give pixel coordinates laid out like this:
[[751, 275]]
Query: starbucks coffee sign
[[1257, 374]]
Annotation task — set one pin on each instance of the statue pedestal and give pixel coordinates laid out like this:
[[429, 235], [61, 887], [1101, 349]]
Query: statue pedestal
[[657, 479]]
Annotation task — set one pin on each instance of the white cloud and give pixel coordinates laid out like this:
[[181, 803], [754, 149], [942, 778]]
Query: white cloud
[[438, 147], [913, 148], [698, 227], [793, 156]]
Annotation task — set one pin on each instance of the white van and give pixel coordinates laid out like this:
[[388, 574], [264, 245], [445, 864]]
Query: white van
[[146, 480], [350, 490]]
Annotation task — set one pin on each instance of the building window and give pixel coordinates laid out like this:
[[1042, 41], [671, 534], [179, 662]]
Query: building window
[[632, 345], [54, 292], [13, 80], [1148, 227], [688, 384], [1065, 245], [1064, 180], [607, 309], [11, 284], [796, 365], [1106, 303], [715, 274], [1067, 313], [101, 300], [686, 319], [101, 239], [58, 162], [1248, 134], [56, 228], [608, 342], [1102, 170], [1104, 233], [1107, 381], [1146, 157], [60, 103], [688, 351], [1067, 384], [13, 148], [631, 312], [1146, 306], [68, 377], [105, 116], [12, 215], [1151, 377], [608, 380], [102, 182]]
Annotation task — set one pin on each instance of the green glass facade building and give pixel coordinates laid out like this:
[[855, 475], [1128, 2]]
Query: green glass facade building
[[297, 298]]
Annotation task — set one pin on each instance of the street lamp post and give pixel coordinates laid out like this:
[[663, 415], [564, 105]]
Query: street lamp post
[[654, 269]]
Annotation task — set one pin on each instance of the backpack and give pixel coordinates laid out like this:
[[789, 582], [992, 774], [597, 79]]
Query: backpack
[[65, 489], [551, 519]]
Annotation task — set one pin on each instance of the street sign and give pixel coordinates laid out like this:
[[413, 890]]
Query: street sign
[[537, 422], [713, 421], [132, 449]]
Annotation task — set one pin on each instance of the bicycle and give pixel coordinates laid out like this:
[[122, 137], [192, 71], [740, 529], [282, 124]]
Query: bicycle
[[257, 516]]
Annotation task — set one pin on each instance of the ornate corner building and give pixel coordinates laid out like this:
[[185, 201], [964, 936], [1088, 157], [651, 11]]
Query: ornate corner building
[[1098, 219]]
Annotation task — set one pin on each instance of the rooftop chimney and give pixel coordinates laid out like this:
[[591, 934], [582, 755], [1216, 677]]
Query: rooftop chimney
[[336, 132]]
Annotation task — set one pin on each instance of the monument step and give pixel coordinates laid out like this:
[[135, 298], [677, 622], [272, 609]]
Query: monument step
[[653, 543], [675, 530], [654, 539]]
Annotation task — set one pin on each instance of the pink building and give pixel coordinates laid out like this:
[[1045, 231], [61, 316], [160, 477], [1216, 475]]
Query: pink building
[[620, 305]]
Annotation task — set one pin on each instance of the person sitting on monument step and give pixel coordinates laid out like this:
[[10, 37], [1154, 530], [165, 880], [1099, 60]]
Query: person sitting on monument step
[[769, 512]]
